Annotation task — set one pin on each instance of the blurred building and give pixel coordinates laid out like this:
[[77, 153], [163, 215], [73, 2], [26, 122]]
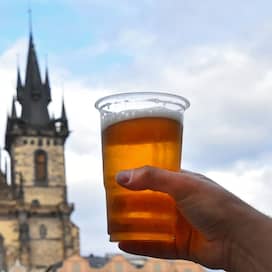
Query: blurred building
[[35, 225], [120, 263]]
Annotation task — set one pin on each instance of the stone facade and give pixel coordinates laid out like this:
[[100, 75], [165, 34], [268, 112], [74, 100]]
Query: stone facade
[[22, 154], [35, 226]]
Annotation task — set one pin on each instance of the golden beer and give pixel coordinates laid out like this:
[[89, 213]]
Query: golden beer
[[132, 139]]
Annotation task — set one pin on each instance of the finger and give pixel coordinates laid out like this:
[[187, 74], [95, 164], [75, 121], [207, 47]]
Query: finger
[[177, 184]]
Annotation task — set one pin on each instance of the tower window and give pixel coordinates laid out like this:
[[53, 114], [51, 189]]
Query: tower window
[[41, 167], [35, 203], [40, 142]]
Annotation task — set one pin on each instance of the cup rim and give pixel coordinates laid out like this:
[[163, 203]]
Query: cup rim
[[106, 100]]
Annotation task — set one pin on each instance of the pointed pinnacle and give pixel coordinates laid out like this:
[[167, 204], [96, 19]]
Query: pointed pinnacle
[[13, 110], [32, 77], [19, 81], [63, 111], [46, 77]]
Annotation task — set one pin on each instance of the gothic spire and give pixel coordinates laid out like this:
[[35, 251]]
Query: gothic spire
[[46, 78], [13, 109], [47, 84], [35, 95], [63, 112], [19, 86], [64, 120], [33, 76], [19, 81]]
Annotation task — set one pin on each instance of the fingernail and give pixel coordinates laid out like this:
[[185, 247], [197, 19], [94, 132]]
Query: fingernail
[[123, 177]]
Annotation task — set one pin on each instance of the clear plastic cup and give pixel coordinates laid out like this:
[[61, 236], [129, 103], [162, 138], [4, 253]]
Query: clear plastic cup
[[138, 129]]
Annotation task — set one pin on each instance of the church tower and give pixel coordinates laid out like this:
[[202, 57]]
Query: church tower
[[35, 225]]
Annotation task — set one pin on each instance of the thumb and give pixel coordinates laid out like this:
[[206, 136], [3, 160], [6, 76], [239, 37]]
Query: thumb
[[176, 184]]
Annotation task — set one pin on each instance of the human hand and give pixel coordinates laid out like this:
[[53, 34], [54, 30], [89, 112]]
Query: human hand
[[214, 227]]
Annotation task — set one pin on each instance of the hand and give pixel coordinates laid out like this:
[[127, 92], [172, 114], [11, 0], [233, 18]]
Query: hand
[[215, 228]]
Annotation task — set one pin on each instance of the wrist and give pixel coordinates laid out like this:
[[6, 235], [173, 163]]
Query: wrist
[[250, 244]]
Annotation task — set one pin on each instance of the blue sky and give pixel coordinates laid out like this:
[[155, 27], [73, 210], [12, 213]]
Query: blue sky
[[216, 53], [66, 30]]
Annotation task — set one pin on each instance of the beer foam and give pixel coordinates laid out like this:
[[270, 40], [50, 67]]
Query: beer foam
[[111, 118]]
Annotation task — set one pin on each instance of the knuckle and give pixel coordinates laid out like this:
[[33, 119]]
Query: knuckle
[[147, 172]]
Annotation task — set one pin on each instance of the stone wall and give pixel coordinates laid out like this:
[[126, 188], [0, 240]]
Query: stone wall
[[44, 252], [23, 151], [46, 243], [9, 229], [48, 240]]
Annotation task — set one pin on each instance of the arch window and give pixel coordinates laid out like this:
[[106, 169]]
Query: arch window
[[40, 167], [35, 203], [40, 142]]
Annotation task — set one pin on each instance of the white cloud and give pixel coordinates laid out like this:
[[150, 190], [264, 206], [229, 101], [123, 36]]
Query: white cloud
[[250, 181]]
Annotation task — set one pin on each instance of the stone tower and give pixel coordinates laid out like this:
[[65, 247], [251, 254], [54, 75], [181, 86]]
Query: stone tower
[[35, 225]]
